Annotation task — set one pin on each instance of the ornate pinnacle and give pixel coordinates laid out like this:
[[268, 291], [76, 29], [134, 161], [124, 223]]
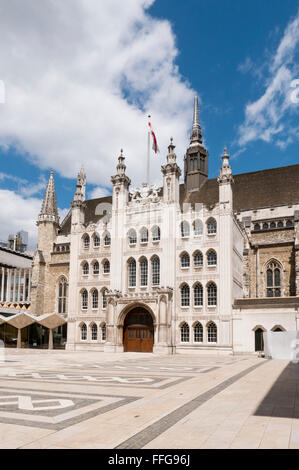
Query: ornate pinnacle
[[196, 135], [49, 211]]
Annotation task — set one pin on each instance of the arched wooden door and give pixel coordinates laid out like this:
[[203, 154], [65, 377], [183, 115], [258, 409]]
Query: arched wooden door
[[138, 331], [259, 340]]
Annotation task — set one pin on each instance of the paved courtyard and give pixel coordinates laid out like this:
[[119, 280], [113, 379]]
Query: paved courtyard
[[61, 399]]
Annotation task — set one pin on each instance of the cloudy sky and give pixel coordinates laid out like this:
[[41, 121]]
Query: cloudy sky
[[81, 76]]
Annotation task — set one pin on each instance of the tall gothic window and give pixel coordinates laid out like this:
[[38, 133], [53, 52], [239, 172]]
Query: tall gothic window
[[185, 229], [185, 295], [212, 333], [107, 239], [144, 235], [198, 333], [85, 268], [62, 289], [132, 273], [273, 280], [83, 332], [198, 295], [96, 241], [197, 227], [212, 258], [95, 299], [202, 162], [212, 227], [104, 298], [156, 234], [132, 237], [106, 267], [185, 333], [155, 271], [96, 267], [185, 260], [193, 163], [143, 272], [86, 241], [104, 332], [212, 294], [94, 332], [198, 259], [84, 300]]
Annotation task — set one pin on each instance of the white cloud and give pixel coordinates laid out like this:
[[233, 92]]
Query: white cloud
[[81, 77], [270, 117], [20, 213], [99, 192]]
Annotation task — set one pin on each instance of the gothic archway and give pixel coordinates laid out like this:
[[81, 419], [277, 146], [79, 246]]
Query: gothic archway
[[138, 331]]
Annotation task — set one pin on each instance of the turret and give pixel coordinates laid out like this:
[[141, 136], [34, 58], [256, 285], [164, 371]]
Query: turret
[[196, 158], [225, 180], [121, 183], [78, 203], [171, 175]]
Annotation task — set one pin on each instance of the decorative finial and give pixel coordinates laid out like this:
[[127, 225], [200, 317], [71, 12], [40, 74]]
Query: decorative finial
[[225, 151]]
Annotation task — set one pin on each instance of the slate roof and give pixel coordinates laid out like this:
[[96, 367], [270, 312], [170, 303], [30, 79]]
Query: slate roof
[[254, 190]]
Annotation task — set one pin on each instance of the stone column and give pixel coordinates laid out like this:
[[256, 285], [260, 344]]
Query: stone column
[[24, 284], [19, 341], [296, 243], [50, 338], [8, 286], [19, 284], [14, 285], [2, 285]]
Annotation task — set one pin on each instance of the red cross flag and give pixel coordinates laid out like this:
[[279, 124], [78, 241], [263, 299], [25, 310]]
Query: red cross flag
[[155, 144]]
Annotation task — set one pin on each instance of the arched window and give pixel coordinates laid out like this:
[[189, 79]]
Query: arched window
[[273, 225], [132, 237], [197, 228], [95, 299], [185, 229], [106, 267], [83, 332], [212, 227], [212, 294], [198, 333], [185, 260], [107, 239], [86, 241], [143, 272], [104, 298], [198, 259], [185, 333], [198, 295], [273, 280], [103, 328], [96, 241], [280, 224], [155, 271], [212, 333], [132, 273], [96, 267], [144, 235], [185, 295], [289, 223], [62, 290], [84, 300], [85, 268], [94, 332], [212, 258], [257, 227], [265, 226], [156, 234]]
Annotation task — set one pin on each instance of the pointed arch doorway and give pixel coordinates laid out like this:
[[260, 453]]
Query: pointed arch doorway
[[138, 331]]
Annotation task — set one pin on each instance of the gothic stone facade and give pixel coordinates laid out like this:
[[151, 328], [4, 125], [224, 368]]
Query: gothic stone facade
[[209, 262]]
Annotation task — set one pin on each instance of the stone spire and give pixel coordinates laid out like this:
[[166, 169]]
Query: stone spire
[[49, 211], [225, 170], [196, 134], [80, 186], [121, 177]]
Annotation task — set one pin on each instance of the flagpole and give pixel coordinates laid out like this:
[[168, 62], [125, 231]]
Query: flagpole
[[148, 155]]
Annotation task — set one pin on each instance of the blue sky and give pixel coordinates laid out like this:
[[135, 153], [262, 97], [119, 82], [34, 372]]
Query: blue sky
[[81, 79]]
